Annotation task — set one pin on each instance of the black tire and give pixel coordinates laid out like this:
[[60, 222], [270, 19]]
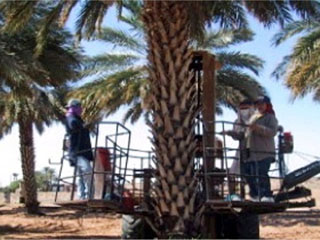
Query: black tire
[[248, 226], [242, 226], [134, 227]]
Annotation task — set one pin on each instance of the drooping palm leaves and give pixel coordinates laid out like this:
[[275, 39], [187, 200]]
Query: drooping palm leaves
[[228, 14], [113, 90], [301, 69]]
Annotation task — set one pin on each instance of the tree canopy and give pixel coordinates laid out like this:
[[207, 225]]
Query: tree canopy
[[301, 68], [120, 78]]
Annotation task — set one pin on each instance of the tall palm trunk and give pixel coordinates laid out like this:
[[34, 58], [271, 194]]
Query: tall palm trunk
[[28, 164], [173, 109]]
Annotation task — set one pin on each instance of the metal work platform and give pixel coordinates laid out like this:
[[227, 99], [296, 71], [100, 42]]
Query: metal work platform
[[128, 181]]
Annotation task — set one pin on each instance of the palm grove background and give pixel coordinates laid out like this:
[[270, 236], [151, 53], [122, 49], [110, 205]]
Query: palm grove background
[[159, 87]]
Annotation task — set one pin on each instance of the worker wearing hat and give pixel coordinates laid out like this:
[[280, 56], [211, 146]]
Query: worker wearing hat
[[80, 152], [245, 111], [260, 146]]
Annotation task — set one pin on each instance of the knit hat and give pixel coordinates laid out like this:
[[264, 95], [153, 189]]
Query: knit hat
[[73, 103], [263, 99]]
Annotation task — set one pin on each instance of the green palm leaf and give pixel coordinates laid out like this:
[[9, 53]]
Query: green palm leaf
[[294, 28], [120, 39], [91, 16], [239, 60], [301, 69]]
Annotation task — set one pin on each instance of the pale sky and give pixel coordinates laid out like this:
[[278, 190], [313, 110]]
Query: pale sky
[[301, 117]]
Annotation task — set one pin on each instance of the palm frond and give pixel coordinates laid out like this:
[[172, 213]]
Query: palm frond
[[133, 6], [14, 73], [91, 17], [66, 10], [224, 38], [281, 68], [304, 78], [273, 11], [269, 12], [305, 9], [294, 28], [43, 32], [244, 84], [228, 14], [306, 46], [133, 113], [26, 80], [17, 13], [133, 18], [301, 68], [112, 92], [239, 60], [107, 63], [120, 38]]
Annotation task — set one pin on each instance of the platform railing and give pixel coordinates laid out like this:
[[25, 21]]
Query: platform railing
[[221, 176]]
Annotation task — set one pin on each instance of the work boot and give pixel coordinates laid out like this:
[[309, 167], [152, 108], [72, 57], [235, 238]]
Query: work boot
[[267, 199]]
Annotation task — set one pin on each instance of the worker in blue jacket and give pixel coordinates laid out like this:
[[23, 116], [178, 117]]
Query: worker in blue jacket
[[80, 152]]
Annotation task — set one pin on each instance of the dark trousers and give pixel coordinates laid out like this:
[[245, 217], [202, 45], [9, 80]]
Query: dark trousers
[[256, 174]]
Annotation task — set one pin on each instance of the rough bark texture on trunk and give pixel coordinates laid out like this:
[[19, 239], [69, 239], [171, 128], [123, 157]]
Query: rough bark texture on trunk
[[28, 164], [174, 110]]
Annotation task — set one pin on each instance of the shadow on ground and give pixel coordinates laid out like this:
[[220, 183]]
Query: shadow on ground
[[81, 237], [45, 211], [287, 219]]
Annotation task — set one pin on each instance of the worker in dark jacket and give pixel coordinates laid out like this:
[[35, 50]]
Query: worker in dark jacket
[[80, 152]]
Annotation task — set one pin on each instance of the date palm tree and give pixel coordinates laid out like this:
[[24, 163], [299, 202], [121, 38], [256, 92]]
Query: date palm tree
[[25, 81], [122, 78], [301, 69], [170, 26]]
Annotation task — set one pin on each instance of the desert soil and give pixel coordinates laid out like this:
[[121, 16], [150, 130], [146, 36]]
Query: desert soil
[[59, 223]]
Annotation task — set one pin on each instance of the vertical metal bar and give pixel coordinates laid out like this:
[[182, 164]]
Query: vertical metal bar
[[61, 166], [74, 179], [141, 162], [91, 192], [226, 159], [120, 172], [146, 184], [257, 177], [126, 162], [59, 178], [117, 133], [134, 183], [241, 177], [113, 169], [117, 171], [280, 154]]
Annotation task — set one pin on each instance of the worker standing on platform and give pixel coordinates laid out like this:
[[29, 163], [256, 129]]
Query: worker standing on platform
[[80, 152], [261, 150], [245, 111]]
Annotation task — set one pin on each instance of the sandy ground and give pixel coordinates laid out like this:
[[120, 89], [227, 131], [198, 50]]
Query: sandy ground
[[71, 224], [57, 224]]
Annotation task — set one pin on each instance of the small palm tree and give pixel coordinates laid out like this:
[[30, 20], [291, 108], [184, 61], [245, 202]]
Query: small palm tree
[[25, 81], [301, 69]]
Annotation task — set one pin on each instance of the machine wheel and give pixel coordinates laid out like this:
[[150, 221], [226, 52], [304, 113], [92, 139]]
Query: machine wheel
[[134, 227], [242, 226], [248, 226]]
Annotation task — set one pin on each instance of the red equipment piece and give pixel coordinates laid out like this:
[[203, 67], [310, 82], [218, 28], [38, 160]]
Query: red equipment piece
[[104, 155]]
